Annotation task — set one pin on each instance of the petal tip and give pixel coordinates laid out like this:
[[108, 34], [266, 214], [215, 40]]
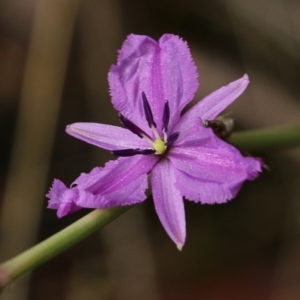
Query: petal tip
[[179, 246], [246, 77], [70, 128]]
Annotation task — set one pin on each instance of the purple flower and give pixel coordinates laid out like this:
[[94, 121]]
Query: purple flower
[[150, 85]]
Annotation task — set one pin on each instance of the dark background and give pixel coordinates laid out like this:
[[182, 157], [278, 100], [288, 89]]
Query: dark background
[[54, 60]]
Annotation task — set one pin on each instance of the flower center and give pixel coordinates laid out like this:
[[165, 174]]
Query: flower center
[[159, 145]]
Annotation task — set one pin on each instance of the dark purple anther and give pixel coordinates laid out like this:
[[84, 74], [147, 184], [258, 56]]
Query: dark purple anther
[[172, 138], [148, 111], [147, 151], [126, 152], [132, 152], [131, 126], [166, 116]]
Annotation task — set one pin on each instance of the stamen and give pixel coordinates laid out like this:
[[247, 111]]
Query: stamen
[[148, 111], [147, 151], [126, 152], [132, 127], [132, 152], [166, 116], [156, 134], [172, 138]]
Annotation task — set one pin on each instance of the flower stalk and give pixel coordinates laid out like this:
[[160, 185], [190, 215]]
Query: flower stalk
[[56, 244], [269, 138]]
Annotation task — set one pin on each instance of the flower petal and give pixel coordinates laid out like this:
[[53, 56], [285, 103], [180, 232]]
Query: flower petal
[[179, 74], [131, 76], [224, 164], [116, 174], [168, 201], [120, 182], [132, 193], [213, 104], [163, 70], [61, 198], [206, 192], [193, 133], [106, 136]]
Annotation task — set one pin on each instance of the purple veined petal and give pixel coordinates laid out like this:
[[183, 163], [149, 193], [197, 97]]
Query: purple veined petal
[[132, 193], [120, 182], [213, 104], [179, 74], [163, 71], [222, 164], [130, 77], [106, 136], [116, 174], [168, 202], [206, 192], [62, 199]]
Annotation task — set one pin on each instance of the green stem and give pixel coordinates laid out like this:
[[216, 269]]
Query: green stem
[[59, 242], [266, 139]]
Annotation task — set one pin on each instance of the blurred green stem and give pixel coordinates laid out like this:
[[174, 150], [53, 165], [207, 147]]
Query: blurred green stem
[[59, 242], [266, 139], [10, 270]]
